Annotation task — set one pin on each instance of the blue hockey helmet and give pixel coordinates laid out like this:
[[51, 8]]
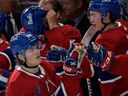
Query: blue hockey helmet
[[103, 6], [22, 41], [94, 5], [32, 19], [2, 21]]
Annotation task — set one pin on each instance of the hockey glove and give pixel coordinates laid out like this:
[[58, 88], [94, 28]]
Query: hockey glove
[[99, 56], [74, 60], [4, 75], [56, 54]]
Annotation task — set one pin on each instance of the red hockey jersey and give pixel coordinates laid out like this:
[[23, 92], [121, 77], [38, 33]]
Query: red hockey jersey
[[61, 36], [114, 81], [115, 39], [23, 83], [3, 43], [72, 83]]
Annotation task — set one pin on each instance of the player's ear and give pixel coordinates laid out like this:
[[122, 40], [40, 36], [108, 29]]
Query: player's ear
[[21, 57], [106, 18]]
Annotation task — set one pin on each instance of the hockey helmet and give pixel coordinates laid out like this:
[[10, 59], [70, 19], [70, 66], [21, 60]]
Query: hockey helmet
[[2, 21], [103, 6], [32, 19], [22, 41]]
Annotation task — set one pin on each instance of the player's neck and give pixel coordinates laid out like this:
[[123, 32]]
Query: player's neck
[[110, 26], [31, 70]]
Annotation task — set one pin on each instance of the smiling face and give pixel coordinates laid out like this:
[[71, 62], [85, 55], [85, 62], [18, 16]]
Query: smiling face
[[95, 20]]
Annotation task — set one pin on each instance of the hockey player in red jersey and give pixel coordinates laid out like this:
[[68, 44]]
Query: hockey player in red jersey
[[56, 34], [33, 76], [60, 35], [5, 63], [110, 70], [111, 30]]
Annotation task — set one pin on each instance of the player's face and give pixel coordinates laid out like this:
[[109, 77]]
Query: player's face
[[45, 4], [33, 56], [95, 19]]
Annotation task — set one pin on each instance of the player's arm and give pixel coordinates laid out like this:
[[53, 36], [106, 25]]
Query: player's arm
[[119, 66], [74, 60], [7, 64], [99, 56]]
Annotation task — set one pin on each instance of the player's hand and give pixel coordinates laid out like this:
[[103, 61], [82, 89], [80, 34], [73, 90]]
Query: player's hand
[[96, 53], [99, 55], [4, 74], [52, 19], [75, 57]]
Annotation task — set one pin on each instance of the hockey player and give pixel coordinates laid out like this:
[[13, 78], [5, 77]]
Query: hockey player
[[6, 64], [51, 4], [59, 35], [111, 32], [54, 5], [33, 76], [111, 70], [114, 71]]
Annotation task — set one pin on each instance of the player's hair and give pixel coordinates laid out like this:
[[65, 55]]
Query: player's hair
[[56, 4]]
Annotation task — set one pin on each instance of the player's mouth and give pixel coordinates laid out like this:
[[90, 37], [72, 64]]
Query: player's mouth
[[38, 57]]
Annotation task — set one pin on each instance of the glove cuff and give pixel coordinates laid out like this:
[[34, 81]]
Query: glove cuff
[[106, 64]]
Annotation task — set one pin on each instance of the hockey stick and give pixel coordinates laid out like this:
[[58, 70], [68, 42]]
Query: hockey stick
[[86, 40], [88, 36]]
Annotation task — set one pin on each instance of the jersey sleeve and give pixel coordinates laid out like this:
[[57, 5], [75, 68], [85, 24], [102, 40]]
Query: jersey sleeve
[[119, 66]]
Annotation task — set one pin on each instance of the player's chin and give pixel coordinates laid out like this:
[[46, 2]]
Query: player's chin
[[93, 24], [97, 28], [38, 59]]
